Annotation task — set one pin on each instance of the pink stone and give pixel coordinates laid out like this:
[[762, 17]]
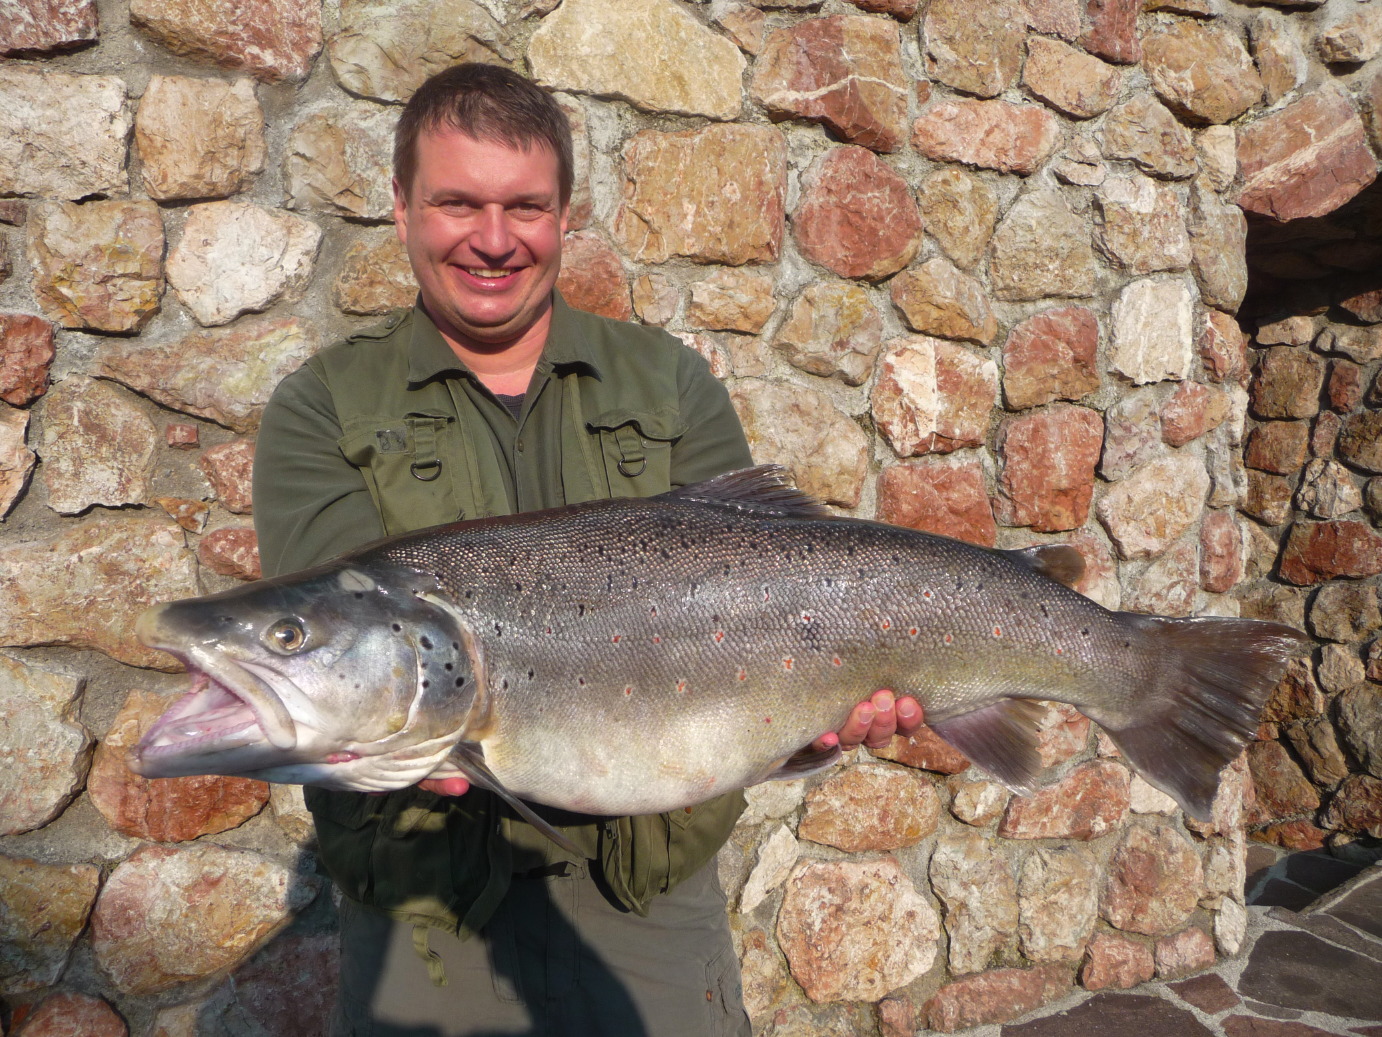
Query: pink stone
[[973, 45], [1201, 71], [924, 750], [1317, 551], [38, 26], [1117, 961], [844, 71], [290, 987], [1068, 79], [933, 396], [73, 1015], [1344, 388], [168, 810], [1089, 801], [995, 997], [1048, 458], [229, 468], [1278, 447], [902, 10], [182, 437], [1112, 32], [231, 552], [1357, 806], [592, 277], [1221, 552], [941, 497], [1062, 734], [1012, 138], [1366, 306], [1191, 411], [26, 352], [897, 1016], [1154, 882], [1189, 951], [1306, 159], [1223, 346], [1052, 356], [191, 515], [1286, 383], [272, 40], [857, 217], [1282, 789]]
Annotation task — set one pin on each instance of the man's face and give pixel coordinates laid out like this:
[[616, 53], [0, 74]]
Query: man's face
[[483, 225]]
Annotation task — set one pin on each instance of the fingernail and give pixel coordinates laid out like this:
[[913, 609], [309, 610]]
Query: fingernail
[[866, 716], [883, 701], [906, 711]]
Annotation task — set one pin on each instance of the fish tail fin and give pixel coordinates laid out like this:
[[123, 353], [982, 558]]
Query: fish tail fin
[[1214, 679]]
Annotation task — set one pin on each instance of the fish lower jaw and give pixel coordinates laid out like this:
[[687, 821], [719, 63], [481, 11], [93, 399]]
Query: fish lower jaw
[[207, 720]]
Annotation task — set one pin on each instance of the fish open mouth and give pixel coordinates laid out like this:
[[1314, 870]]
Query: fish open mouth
[[210, 718]]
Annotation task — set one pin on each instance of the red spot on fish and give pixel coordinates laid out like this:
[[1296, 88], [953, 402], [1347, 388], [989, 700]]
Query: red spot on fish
[[806, 617], [767, 594], [997, 631], [837, 661], [1060, 651], [628, 689], [787, 663], [719, 636], [657, 640], [926, 594], [653, 611], [681, 687], [913, 631], [743, 675], [949, 638], [343, 757], [549, 630], [887, 624], [767, 720], [615, 638]]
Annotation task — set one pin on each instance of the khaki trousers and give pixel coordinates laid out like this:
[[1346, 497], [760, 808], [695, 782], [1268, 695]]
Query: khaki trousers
[[559, 959]]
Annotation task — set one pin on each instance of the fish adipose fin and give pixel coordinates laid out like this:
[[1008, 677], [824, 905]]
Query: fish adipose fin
[[1001, 738], [764, 488], [1204, 705], [468, 759], [1059, 562]]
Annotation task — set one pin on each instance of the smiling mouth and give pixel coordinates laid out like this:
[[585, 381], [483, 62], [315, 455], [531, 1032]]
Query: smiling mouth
[[488, 274]]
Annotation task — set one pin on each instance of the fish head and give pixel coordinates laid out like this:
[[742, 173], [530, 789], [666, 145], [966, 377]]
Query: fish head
[[341, 676]]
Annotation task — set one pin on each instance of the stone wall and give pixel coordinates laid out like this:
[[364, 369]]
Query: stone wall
[[966, 265]]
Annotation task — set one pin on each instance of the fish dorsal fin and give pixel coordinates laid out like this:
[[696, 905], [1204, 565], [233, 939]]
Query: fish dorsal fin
[[1001, 738], [763, 488], [1059, 562]]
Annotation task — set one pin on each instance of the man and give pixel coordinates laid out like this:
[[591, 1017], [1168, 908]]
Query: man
[[489, 397]]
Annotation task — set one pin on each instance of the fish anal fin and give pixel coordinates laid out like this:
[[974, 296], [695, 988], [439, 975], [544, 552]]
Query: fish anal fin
[[803, 763], [764, 488], [470, 761], [1059, 562], [1001, 738]]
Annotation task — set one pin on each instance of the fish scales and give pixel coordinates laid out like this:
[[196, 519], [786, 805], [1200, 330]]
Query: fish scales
[[634, 656]]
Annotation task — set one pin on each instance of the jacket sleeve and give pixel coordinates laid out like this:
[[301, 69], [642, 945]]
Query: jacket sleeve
[[714, 441], [310, 503]]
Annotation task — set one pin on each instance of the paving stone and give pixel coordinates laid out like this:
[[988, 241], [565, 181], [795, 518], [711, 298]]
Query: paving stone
[[1248, 1026], [1299, 971], [1209, 993], [1115, 1015]]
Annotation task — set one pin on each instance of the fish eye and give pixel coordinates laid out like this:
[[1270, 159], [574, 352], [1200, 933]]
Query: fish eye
[[286, 636]]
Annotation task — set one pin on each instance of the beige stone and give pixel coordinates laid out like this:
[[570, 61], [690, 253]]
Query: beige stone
[[46, 751], [199, 138], [384, 49], [375, 276], [974, 45], [803, 430], [1011, 138], [224, 375], [1217, 148], [732, 299], [937, 299], [1150, 509], [98, 265], [714, 195], [341, 162], [871, 808], [62, 135], [1218, 245], [1042, 249], [1143, 131], [1141, 225], [1353, 39], [86, 586], [855, 930], [16, 459], [272, 40], [585, 47], [43, 909], [1058, 902], [655, 298], [960, 211], [1070, 80], [1201, 71], [833, 330], [236, 257], [98, 447], [743, 24], [1280, 61], [980, 897], [1152, 335], [933, 396]]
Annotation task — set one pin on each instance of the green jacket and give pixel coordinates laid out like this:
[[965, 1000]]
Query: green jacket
[[388, 432]]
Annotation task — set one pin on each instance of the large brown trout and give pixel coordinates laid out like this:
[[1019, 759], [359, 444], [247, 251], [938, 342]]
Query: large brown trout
[[635, 656]]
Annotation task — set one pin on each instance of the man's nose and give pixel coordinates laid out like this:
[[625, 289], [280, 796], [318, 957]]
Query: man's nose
[[492, 235]]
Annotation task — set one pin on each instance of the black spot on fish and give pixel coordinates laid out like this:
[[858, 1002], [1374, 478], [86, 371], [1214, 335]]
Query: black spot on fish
[[1045, 611], [518, 587], [499, 628], [359, 595], [398, 628], [426, 685], [505, 685], [1084, 632], [449, 666], [580, 609], [425, 642], [530, 674], [460, 682]]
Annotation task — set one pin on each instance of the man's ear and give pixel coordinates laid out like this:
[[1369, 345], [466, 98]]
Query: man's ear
[[400, 212]]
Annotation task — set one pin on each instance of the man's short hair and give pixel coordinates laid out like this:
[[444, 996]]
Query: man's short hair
[[489, 103]]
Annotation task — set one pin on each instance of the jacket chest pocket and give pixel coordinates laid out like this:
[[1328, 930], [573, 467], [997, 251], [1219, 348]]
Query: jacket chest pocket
[[636, 449], [412, 467]]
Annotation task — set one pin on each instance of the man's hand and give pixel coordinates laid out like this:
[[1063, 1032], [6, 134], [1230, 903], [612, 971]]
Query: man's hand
[[446, 786], [874, 722]]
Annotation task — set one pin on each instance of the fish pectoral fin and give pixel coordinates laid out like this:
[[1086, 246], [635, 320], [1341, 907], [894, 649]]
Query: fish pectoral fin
[[1001, 738], [468, 759], [804, 762]]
